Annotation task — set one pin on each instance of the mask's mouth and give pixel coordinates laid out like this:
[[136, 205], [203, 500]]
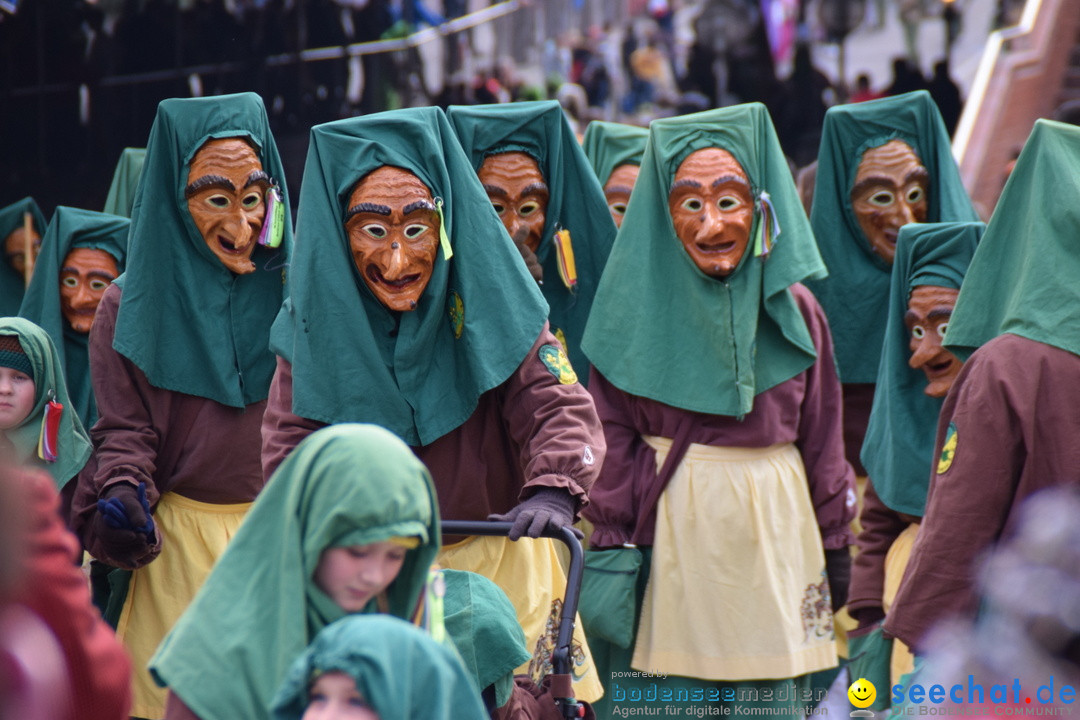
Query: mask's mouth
[[229, 247], [376, 276], [939, 367], [715, 248], [890, 236]]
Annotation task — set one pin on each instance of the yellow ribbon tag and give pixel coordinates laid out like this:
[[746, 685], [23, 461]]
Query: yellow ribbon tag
[[444, 240], [564, 253]]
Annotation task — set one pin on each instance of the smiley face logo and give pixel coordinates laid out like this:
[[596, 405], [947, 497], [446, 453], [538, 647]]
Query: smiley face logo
[[862, 693]]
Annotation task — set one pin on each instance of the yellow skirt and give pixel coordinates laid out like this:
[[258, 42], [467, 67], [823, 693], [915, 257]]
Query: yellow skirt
[[195, 535], [737, 589], [530, 573], [896, 561]]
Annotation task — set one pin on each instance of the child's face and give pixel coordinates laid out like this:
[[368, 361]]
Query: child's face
[[16, 397], [353, 575], [333, 696]]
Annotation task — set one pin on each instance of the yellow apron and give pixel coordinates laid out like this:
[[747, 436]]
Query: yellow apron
[[737, 589], [195, 534], [896, 561]]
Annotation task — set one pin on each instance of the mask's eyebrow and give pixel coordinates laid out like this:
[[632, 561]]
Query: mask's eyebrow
[[536, 187], [919, 173], [209, 181], [685, 182], [618, 189], [495, 190], [724, 179], [418, 205], [367, 207], [255, 177], [939, 314]]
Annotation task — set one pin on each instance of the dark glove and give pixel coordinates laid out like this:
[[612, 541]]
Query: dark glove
[[124, 525], [838, 569], [528, 255], [551, 508], [867, 616]]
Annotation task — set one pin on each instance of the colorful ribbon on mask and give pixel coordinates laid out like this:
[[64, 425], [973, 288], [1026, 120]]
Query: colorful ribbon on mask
[[49, 437], [564, 254], [768, 229]]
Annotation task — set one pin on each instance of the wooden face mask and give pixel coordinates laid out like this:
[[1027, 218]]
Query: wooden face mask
[[929, 310], [712, 209], [617, 190], [393, 229], [890, 191], [84, 278], [516, 188], [15, 248], [226, 198]]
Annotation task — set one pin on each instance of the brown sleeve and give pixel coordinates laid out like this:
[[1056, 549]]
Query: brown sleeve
[[555, 425], [880, 528], [125, 436], [175, 709], [55, 589], [821, 436], [281, 429]]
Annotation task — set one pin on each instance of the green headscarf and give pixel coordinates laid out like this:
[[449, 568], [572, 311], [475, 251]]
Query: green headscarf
[[608, 145], [483, 625], [576, 201], [664, 330], [855, 296], [401, 673], [344, 485], [899, 445], [73, 445], [409, 371], [12, 283], [125, 181], [185, 319], [1023, 279], [71, 228]]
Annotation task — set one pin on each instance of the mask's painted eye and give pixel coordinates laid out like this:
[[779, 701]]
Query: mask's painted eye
[[98, 285], [499, 207], [528, 209], [918, 332], [692, 204], [618, 208], [915, 195], [728, 202], [219, 201], [884, 198], [415, 230], [375, 231], [251, 200], [942, 328], [70, 282]]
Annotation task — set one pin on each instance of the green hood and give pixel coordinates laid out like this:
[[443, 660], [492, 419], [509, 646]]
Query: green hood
[[71, 228], [1023, 279], [185, 320], [11, 282], [125, 181], [664, 330], [484, 627], [576, 201], [406, 371], [73, 444], [343, 485], [855, 296], [899, 446], [400, 672], [608, 145]]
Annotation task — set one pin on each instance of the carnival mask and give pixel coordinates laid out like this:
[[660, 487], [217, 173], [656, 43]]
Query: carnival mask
[[712, 209], [890, 191], [929, 310], [516, 188], [617, 190], [393, 229], [15, 248], [226, 198], [84, 278]]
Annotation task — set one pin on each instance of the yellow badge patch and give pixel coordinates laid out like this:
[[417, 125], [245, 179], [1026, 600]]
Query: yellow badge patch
[[948, 450], [555, 360], [456, 308]]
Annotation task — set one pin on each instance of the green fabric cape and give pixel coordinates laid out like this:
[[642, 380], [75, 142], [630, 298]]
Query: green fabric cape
[[483, 625], [73, 444], [343, 485], [899, 446], [185, 320], [608, 145], [1023, 279], [664, 330], [12, 284], [856, 294], [404, 371], [121, 197], [71, 228], [399, 670], [576, 201]]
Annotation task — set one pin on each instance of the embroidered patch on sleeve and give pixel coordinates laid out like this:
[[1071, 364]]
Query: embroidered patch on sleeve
[[555, 360], [948, 450], [456, 308]]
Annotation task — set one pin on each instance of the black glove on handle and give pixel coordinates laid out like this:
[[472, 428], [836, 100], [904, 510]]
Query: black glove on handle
[[867, 616], [124, 524], [548, 507], [838, 569], [528, 255]]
